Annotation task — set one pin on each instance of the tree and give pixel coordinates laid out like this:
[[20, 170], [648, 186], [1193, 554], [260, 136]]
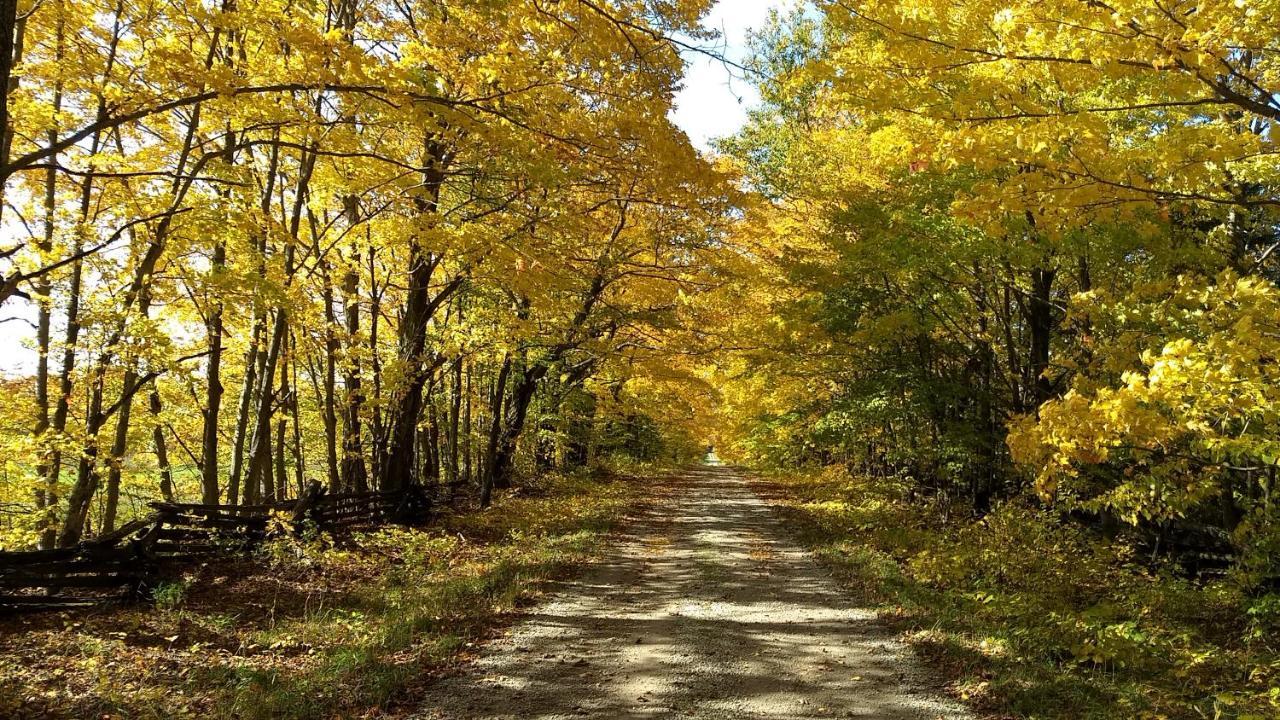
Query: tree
[[258, 200]]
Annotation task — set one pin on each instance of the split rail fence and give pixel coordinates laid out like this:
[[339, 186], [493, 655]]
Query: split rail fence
[[127, 564]]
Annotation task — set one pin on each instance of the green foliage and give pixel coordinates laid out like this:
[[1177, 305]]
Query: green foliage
[[170, 594]]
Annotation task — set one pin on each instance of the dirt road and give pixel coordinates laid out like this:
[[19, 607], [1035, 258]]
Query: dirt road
[[705, 610]]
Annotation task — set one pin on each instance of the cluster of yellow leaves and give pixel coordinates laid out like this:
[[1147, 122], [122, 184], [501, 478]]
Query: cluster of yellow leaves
[[1206, 400], [1076, 110]]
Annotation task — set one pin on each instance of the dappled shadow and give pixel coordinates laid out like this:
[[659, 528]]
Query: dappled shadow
[[705, 610]]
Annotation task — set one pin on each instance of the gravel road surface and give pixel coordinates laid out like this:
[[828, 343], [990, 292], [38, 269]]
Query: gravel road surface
[[705, 609]]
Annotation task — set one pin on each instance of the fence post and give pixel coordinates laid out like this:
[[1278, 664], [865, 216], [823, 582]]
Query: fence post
[[302, 510], [141, 547], [414, 507]]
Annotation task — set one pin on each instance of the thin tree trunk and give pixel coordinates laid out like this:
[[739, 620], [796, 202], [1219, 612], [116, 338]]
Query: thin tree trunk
[[1017, 389], [46, 493], [1041, 322], [495, 429], [124, 413], [242, 414], [48, 535], [213, 392], [213, 369], [329, 410], [255, 358], [988, 436], [466, 429], [377, 428], [434, 461], [260, 456], [162, 450], [299, 458], [118, 447], [354, 474], [354, 477], [455, 418], [258, 478], [280, 488]]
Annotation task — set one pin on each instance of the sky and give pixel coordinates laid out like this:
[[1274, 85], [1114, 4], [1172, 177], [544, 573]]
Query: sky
[[713, 103], [715, 98]]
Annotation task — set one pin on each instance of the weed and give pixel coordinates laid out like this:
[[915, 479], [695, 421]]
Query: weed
[[170, 594]]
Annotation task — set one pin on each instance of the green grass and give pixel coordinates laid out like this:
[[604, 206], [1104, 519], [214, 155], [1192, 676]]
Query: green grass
[[1029, 618]]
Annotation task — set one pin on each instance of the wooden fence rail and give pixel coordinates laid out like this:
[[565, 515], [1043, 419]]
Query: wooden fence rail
[[127, 563]]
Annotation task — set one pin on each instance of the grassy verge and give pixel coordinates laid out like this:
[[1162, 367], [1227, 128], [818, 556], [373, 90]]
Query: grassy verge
[[1027, 618], [310, 629]]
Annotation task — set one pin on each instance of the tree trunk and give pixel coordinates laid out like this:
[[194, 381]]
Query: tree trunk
[[254, 357], [329, 410], [466, 429], [354, 477], [71, 339], [48, 534], [213, 369], [1041, 323], [10, 52], [517, 412], [299, 457], [433, 433], [251, 360], [260, 454], [213, 392], [406, 410], [50, 459], [407, 405], [124, 413], [499, 473], [258, 478], [495, 429], [162, 449], [455, 418], [279, 490], [376, 429], [118, 447], [46, 495], [988, 437], [87, 479]]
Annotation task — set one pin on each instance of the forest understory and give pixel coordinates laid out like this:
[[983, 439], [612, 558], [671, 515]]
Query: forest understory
[[310, 627], [1025, 618]]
